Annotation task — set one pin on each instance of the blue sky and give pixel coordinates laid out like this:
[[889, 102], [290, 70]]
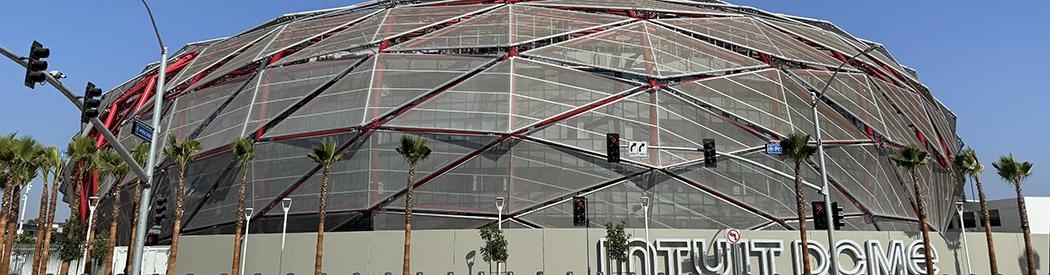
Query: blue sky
[[981, 61]]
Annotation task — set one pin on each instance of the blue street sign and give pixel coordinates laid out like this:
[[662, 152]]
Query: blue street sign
[[143, 131], [774, 149]]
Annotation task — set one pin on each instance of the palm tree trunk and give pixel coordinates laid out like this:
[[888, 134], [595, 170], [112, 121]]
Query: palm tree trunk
[[134, 223], [319, 254], [113, 231], [922, 221], [240, 224], [65, 268], [50, 221], [40, 221], [4, 211], [1025, 229], [801, 200], [408, 219], [178, 221], [987, 227], [12, 221]]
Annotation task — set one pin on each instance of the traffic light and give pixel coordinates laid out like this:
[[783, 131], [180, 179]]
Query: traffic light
[[91, 103], [820, 216], [612, 147], [153, 235], [836, 214], [710, 160], [579, 211], [160, 205], [35, 69]]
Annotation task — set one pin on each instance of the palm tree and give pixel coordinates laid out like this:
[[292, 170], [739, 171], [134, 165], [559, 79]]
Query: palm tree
[[182, 153], [24, 167], [111, 164], [413, 150], [8, 165], [325, 155], [243, 149], [47, 170], [910, 158], [966, 161], [1015, 173], [796, 147], [140, 153], [51, 158], [82, 151]]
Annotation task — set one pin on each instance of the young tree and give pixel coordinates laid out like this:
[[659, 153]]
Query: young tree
[[182, 153], [413, 150], [326, 155], [72, 243], [796, 147], [495, 249], [616, 243], [966, 162], [1015, 173], [911, 158], [243, 150], [140, 153], [52, 158], [110, 164]]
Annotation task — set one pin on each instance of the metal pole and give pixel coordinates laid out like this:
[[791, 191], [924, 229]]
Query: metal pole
[[962, 232], [286, 204], [825, 189], [151, 161], [645, 213], [92, 204], [22, 216], [499, 222], [587, 245], [244, 247]]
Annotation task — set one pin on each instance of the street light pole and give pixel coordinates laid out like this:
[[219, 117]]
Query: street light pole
[[92, 204], [962, 232], [825, 190], [499, 222], [286, 204], [645, 213], [247, 224], [22, 215], [151, 160]]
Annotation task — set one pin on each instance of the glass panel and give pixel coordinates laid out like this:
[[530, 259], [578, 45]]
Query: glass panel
[[405, 19], [229, 123], [509, 25], [909, 103], [282, 87], [647, 49], [897, 129], [833, 126], [193, 108], [543, 91], [373, 171], [756, 97], [480, 103], [640, 5], [215, 53], [340, 106], [859, 171], [202, 175], [684, 125], [299, 32], [849, 90], [358, 34], [398, 79], [247, 57]]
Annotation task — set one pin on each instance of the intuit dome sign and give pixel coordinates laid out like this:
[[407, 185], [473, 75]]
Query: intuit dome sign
[[676, 256]]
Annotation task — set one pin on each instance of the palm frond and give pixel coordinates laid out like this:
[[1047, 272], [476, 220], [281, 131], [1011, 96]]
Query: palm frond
[[413, 149], [243, 149], [909, 158]]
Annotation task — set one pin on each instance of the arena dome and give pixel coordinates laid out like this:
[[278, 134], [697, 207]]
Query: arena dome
[[515, 99]]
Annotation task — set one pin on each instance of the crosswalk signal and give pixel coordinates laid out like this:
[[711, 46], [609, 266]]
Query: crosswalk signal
[[612, 147], [836, 214], [91, 103], [35, 67], [710, 160], [820, 215], [579, 211]]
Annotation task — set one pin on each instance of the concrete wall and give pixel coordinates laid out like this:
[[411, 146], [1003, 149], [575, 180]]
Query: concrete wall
[[553, 251]]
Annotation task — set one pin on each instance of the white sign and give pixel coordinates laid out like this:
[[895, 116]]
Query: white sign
[[733, 236], [638, 149]]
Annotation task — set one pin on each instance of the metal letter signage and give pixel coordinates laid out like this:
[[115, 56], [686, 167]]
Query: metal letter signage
[[638, 149]]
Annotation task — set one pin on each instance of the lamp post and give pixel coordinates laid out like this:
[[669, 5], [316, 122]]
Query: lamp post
[[22, 215], [645, 214], [962, 232], [247, 224], [825, 190], [151, 159], [92, 204], [286, 204], [499, 221]]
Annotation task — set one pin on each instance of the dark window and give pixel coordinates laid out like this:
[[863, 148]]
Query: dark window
[[969, 220], [993, 217]]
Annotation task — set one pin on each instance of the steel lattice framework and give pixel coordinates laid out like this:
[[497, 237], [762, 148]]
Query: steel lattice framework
[[515, 99]]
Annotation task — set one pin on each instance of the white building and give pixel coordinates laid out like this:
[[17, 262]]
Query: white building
[[1004, 215]]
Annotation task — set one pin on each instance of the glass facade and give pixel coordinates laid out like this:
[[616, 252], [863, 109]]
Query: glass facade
[[515, 101]]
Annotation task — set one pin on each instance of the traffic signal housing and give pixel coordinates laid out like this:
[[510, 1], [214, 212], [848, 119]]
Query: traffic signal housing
[[836, 214], [820, 215], [710, 159], [579, 211], [35, 68], [612, 147], [160, 207], [91, 102]]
